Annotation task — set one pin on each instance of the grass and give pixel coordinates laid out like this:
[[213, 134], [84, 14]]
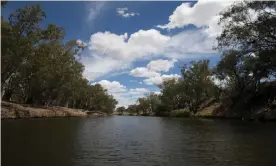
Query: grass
[[180, 113], [208, 111]]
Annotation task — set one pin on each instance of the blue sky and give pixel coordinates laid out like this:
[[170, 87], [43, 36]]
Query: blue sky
[[132, 46]]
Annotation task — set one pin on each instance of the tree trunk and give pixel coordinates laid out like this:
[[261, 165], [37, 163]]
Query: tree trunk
[[58, 102], [48, 102], [74, 103], [7, 96], [6, 82], [3, 91], [29, 100], [66, 104]]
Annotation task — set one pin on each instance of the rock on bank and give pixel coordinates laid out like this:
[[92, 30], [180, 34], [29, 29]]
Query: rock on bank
[[14, 111]]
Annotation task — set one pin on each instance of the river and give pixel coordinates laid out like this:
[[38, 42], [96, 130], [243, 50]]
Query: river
[[130, 141]]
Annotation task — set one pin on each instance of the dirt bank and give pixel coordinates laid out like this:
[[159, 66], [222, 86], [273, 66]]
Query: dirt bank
[[214, 109], [14, 111]]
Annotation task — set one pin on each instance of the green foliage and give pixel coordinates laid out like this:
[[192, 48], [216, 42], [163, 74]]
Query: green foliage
[[154, 101], [251, 36], [171, 96], [38, 68], [121, 110], [144, 105], [180, 113], [163, 110], [133, 109], [194, 87], [147, 105], [249, 46], [196, 84]]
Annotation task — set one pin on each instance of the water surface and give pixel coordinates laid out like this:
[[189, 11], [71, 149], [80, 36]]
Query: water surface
[[130, 141]]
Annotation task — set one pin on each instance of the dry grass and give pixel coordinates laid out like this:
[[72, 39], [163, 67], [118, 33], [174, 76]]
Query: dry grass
[[12, 111], [213, 110], [207, 111], [180, 113]]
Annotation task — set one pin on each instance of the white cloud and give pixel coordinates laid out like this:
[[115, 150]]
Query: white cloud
[[157, 92], [112, 86], [161, 65], [94, 9], [139, 91], [123, 95], [203, 13], [109, 44], [153, 68], [151, 73], [96, 67], [148, 42], [139, 44], [109, 52], [143, 72], [157, 80], [190, 44], [124, 12]]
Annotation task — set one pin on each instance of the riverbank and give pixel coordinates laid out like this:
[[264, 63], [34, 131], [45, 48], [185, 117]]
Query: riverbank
[[216, 110], [17, 111]]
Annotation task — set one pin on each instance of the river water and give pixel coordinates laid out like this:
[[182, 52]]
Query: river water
[[130, 141]]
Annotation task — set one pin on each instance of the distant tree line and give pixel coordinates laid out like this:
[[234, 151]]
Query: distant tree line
[[38, 68], [243, 79]]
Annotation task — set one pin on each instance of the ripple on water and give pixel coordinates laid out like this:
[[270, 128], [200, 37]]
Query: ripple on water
[[139, 141]]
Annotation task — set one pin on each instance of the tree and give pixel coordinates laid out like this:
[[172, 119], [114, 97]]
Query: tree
[[230, 67], [170, 93], [133, 109], [196, 84], [248, 42], [39, 68], [252, 35], [144, 105], [121, 110], [154, 101], [20, 34]]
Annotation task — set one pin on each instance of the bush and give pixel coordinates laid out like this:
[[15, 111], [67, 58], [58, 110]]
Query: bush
[[162, 110], [180, 113]]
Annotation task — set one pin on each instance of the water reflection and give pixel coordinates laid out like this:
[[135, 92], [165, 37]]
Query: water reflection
[[38, 142], [137, 141]]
